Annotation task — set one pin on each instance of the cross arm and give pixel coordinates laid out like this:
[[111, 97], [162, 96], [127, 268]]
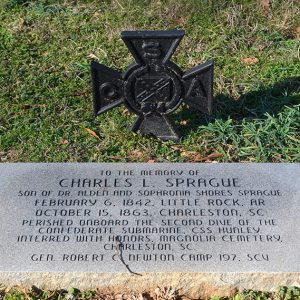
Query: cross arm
[[198, 83], [107, 87]]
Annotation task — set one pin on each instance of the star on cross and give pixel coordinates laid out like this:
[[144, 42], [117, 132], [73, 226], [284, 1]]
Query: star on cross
[[153, 87]]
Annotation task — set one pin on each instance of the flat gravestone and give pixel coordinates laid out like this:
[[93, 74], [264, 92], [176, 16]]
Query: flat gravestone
[[202, 228]]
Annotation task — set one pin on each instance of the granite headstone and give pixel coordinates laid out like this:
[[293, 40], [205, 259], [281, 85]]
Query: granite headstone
[[198, 227]]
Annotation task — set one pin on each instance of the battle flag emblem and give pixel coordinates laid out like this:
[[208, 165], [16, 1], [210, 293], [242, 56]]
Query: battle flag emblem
[[153, 87]]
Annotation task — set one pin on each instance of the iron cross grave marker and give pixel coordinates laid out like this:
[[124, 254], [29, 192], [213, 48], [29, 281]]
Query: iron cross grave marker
[[153, 87]]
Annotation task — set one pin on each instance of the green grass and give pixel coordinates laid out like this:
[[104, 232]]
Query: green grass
[[19, 293], [46, 101]]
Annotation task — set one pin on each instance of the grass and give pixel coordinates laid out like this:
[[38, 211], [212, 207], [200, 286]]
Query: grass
[[18, 293], [46, 101]]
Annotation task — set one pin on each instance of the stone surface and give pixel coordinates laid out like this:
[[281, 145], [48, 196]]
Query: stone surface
[[203, 228]]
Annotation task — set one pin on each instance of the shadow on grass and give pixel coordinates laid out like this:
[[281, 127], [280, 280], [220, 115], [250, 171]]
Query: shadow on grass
[[252, 105]]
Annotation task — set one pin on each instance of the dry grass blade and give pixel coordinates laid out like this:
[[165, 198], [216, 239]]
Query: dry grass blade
[[126, 112], [265, 4], [208, 158], [136, 153], [166, 293], [249, 60], [2, 288], [93, 133], [64, 142]]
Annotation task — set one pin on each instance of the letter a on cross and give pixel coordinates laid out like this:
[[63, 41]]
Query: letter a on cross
[[153, 87]]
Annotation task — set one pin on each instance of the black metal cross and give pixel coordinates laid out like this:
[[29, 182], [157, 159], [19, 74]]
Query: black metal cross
[[153, 87]]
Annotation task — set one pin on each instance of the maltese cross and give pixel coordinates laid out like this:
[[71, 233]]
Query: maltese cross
[[153, 87]]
